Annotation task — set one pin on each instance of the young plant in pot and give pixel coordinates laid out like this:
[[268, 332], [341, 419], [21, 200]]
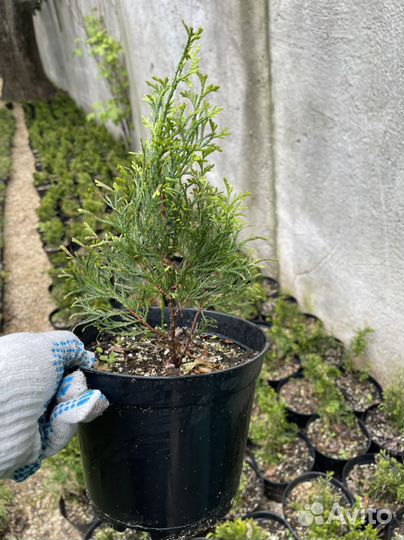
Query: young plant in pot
[[261, 526], [301, 393], [166, 456], [336, 434], [281, 452], [395, 530], [355, 530], [285, 332], [359, 389], [316, 495], [376, 481], [385, 422]]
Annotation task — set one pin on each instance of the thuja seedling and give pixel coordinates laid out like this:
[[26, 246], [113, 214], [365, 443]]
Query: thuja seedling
[[332, 406], [238, 529], [270, 429], [174, 239], [387, 481]]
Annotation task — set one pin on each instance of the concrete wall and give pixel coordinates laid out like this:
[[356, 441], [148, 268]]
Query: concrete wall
[[313, 95], [338, 73], [234, 49]]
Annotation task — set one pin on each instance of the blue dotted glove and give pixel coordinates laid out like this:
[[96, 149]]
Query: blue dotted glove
[[32, 381]]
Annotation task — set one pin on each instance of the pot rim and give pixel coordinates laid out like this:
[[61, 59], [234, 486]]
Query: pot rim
[[301, 435], [273, 516], [397, 455], [306, 477], [364, 459], [253, 359], [362, 427], [394, 523]]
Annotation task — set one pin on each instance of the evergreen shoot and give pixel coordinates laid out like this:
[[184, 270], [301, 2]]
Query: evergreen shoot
[[175, 238]]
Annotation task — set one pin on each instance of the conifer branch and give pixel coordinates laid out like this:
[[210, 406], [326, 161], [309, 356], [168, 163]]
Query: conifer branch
[[172, 234]]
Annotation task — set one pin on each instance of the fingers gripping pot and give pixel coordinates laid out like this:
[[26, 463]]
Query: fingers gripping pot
[[166, 456]]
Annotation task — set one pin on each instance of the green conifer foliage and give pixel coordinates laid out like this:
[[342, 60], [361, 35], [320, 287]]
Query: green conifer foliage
[[175, 238]]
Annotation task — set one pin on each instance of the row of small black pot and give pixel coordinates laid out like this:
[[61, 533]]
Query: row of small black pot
[[261, 518], [302, 419], [319, 462], [349, 499]]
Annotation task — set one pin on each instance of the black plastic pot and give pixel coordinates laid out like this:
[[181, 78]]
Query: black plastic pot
[[310, 476], [293, 416], [275, 490], [58, 321], [277, 383], [375, 446], [274, 383], [393, 525], [43, 190], [166, 456], [325, 463], [270, 516], [361, 414], [264, 516], [360, 460]]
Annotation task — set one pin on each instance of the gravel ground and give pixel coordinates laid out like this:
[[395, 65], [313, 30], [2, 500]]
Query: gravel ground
[[36, 514], [27, 299]]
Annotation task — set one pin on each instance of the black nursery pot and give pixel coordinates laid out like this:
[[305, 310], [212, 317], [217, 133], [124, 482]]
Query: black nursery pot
[[379, 389], [270, 516], [293, 416], [264, 516], [312, 476], [325, 463], [167, 454], [360, 460], [275, 490], [278, 383], [375, 446], [393, 525]]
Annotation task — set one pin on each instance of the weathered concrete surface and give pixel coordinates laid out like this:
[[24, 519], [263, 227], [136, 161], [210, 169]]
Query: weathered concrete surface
[[60, 32], [338, 74], [234, 50], [320, 148]]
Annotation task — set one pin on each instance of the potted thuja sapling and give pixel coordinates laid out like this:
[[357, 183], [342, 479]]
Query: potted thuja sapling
[[166, 456], [336, 434]]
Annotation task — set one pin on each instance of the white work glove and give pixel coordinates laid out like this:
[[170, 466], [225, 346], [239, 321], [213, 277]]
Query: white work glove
[[39, 409]]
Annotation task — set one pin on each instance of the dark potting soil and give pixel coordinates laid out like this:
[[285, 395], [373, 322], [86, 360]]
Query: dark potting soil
[[360, 394], [249, 493], [293, 461], [398, 533], [306, 496], [298, 395], [384, 432], [358, 482], [337, 440], [146, 356]]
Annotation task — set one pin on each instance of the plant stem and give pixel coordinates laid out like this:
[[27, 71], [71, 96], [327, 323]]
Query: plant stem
[[144, 323], [192, 331], [172, 339]]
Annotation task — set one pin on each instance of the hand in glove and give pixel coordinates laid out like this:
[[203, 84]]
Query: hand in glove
[[40, 407]]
